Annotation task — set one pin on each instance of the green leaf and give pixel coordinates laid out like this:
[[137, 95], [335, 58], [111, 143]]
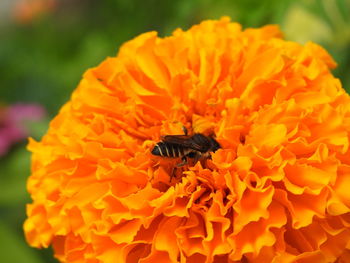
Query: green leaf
[[15, 169], [301, 25], [13, 249]]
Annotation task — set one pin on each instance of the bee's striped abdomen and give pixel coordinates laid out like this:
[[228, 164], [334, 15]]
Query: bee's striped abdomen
[[168, 150]]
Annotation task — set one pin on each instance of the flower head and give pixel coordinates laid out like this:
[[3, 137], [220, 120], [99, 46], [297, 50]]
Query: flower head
[[277, 190]]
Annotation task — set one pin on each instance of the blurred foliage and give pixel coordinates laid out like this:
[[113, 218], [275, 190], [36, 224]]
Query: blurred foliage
[[43, 59]]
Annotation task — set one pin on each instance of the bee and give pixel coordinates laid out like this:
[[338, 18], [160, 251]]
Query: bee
[[196, 147]]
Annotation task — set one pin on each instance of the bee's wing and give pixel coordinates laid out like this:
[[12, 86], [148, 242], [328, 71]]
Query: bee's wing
[[183, 140]]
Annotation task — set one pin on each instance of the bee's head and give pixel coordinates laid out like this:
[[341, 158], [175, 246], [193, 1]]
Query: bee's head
[[214, 145]]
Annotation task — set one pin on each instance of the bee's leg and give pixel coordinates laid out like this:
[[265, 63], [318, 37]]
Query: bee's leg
[[196, 158], [184, 130], [242, 138], [183, 163], [173, 171]]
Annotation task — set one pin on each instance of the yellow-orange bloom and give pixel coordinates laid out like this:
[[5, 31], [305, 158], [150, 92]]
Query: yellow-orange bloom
[[277, 191]]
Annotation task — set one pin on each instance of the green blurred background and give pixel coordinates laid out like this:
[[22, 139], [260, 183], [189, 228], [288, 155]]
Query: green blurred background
[[46, 45]]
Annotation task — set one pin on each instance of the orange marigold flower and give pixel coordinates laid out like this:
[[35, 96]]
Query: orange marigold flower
[[277, 191]]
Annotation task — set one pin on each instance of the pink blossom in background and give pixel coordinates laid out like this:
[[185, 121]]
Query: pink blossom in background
[[25, 11], [13, 121]]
